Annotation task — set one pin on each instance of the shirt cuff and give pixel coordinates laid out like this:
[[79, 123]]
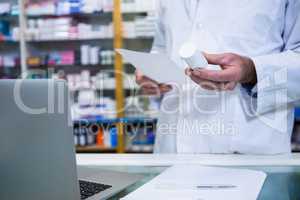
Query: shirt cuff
[[250, 90], [271, 89]]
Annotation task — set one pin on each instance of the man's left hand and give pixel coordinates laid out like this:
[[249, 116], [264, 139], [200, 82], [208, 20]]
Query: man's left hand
[[235, 69]]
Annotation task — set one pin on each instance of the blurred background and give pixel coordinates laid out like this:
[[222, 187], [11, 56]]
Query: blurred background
[[75, 40]]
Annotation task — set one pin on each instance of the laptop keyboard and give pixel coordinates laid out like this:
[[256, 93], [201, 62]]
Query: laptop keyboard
[[88, 189]]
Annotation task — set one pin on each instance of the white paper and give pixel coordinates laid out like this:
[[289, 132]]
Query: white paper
[[179, 183], [155, 66]]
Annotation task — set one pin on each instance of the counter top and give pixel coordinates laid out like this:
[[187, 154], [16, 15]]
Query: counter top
[[168, 160], [282, 181]]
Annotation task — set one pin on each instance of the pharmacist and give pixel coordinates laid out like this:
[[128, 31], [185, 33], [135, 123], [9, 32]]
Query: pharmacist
[[243, 101]]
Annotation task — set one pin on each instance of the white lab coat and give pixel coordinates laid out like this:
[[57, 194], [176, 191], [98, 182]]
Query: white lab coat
[[268, 31]]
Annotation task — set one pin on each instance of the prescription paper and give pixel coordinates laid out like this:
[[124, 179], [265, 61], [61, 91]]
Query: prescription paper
[[158, 67], [180, 183]]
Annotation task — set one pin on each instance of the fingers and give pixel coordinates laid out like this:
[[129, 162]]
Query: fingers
[[230, 86], [206, 84], [220, 59], [156, 90], [151, 87], [165, 88], [214, 59], [226, 75], [188, 71], [144, 80], [150, 91], [212, 85]]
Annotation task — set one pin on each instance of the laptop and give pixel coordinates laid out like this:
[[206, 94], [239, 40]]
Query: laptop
[[37, 153]]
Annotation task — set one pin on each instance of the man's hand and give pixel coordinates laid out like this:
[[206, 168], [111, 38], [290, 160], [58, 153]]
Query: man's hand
[[235, 69], [151, 87]]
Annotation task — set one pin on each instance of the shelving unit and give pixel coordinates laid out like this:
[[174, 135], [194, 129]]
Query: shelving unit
[[26, 46], [120, 122], [95, 149], [9, 46]]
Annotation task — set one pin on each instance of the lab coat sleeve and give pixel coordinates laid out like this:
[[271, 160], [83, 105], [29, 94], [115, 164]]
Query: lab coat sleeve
[[278, 75], [159, 44]]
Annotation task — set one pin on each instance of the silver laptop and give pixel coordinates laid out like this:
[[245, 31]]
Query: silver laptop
[[37, 154]]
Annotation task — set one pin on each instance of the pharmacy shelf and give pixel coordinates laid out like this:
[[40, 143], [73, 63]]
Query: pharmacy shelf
[[9, 41], [95, 149], [96, 14], [77, 66], [136, 12], [9, 69], [111, 91], [93, 68], [138, 152], [67, 69], [138, 39], [116, 17], [9, 17], [80, 66], [9, 72], [69, 40], [138, 120], [95, 121], [126, 120]]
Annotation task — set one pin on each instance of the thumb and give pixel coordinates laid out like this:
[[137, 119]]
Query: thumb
[[214, 59]]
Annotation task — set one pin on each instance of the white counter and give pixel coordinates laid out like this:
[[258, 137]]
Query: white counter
[[168, 160]]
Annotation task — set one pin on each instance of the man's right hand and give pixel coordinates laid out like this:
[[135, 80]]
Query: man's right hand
[[151, 87]]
